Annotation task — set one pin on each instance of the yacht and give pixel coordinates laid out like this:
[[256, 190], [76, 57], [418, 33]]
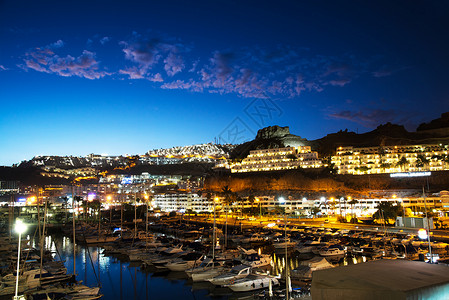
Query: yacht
[[235, 273], [307, 267], [252, 282], [332, 250], [253, 259]]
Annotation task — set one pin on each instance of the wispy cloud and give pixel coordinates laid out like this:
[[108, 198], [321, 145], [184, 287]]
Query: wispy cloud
[[369, 118], [3, 68], [57, 44], [46, 60], [173, 64], [385, 71], [104, 40], [147, 53], [256, 72]]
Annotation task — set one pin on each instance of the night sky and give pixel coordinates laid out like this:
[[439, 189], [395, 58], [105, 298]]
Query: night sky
[[124, 77]]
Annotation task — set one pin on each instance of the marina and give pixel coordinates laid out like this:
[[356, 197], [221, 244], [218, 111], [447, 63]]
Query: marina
[[173, 259]]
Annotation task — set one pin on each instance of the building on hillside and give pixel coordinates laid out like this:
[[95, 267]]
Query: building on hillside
[[391, 159], [278, 159], [182, 202]]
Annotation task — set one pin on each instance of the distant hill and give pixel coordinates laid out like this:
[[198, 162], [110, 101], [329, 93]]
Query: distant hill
[[199, 159], [436, 132], [269, 137], [201, 151]]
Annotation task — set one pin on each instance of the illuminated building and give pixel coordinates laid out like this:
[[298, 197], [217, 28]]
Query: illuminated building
[[391, 159], [278, 159]]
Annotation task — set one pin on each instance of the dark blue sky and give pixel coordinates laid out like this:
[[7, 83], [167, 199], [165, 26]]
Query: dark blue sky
[[123, 77]]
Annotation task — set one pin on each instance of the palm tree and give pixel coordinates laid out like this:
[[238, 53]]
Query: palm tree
[[251, 200], [228, 195], [421, 161], [228, 200], [402, 162], [352, 203]]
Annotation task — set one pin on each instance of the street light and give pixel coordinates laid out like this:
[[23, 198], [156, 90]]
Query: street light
[[260, 207], [20, 228], [216, 199], [282, 201]]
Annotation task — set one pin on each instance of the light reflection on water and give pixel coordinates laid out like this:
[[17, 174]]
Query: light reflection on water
[[120, 279]]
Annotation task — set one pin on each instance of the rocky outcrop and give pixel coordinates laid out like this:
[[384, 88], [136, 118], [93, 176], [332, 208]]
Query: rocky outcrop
[[272, 132], [442, 122]]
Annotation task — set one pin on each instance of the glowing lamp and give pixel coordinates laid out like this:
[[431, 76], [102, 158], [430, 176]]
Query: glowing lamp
[[422, 234], [20, 227]]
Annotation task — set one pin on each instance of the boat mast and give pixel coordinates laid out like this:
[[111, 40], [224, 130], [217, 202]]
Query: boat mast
[[213, 236], [428, 226], [42, 243], [135, 215], [73, 229]]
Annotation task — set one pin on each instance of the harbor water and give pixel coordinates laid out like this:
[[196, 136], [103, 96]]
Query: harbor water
[[121, 279]]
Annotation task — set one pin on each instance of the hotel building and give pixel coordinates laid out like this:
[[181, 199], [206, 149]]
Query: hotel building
[[278, 159], [391, 159]]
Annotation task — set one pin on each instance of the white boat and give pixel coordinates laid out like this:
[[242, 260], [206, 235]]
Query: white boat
[[210, 273], [333, 250], [439, 245], [254, 238], [309, 246], [205, 265], [253, 259], [284, 244], [100, 239], [235, 273], [252, 282], [307, 267], [185, 262]]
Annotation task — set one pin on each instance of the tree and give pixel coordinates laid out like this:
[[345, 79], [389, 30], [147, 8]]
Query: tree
[[251, 200], [315, 210], [352, 203], [387, 211], [402, 162], [292, 156], [421, 161], [228, 195]]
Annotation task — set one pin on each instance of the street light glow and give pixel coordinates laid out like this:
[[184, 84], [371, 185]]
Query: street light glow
[[20, 227], [281, 200]]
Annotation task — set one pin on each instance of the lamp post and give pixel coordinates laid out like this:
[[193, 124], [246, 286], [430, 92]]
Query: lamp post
[[20, 228], [213, 231], [109, 198], [260, 207], [282, 201], [428, 227]]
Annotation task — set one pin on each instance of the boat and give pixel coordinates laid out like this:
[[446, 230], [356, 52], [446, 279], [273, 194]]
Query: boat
[[282, 244], [307, 267], [252, 282], [100, 239], [237, 272], [210, 273], [332, 250], [185, 262], [206, 265], [253, 259]]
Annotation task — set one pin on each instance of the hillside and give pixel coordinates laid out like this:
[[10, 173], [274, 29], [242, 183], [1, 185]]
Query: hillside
[[384, 135]]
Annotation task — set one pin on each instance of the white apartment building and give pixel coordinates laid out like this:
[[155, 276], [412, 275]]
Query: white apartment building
[[391, 159], [278, 159], [181, 202]]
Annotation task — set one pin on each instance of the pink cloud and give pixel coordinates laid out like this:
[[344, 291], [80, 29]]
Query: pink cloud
[[156, 78], [45, 60], [173, 64], [133, 73]]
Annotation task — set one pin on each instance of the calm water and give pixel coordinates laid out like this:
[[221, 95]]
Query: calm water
[[120, 279]]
